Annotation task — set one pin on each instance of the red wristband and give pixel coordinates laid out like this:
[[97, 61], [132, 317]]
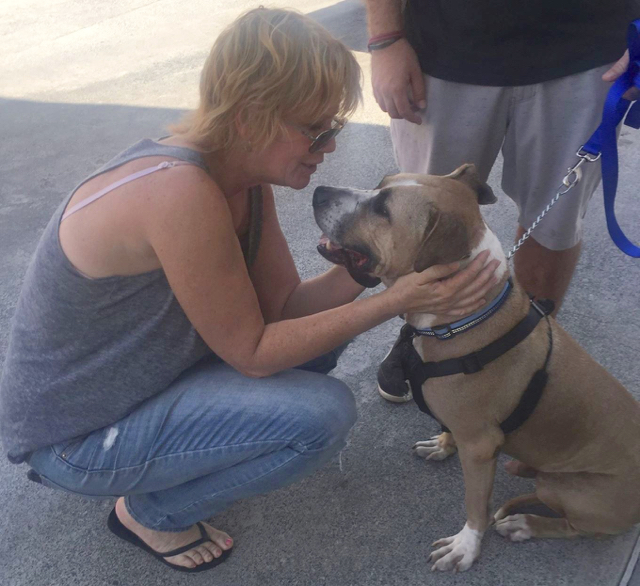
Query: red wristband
[[386, 36]]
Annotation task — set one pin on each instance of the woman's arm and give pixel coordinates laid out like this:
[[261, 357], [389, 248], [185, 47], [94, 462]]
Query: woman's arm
[[331, 289], [190, 229]]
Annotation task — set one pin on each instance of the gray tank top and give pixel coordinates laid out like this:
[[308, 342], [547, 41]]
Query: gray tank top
[[83, 353]]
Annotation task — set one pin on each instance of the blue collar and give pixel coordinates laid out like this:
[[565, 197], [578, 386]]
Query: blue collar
[[447, 331]]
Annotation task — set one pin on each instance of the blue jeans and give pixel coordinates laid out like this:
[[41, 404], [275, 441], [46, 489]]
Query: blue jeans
[[212, 438]]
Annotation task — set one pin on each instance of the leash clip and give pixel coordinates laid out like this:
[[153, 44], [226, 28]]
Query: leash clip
[[574, 174], [571, 179]]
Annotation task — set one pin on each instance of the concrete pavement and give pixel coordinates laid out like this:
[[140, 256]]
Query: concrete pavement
[[81, 80]]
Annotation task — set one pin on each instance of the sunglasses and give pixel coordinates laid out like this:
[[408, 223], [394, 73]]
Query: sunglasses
[[320, 141]]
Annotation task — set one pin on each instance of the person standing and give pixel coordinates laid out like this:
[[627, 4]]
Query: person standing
[[463, 80]]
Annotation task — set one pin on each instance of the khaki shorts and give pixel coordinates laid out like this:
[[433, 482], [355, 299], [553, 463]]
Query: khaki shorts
[[538, 127]]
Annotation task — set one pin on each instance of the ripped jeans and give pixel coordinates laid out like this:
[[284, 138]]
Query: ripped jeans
[[212, 438]]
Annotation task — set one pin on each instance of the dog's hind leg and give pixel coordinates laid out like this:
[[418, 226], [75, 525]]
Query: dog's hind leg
[[522, 527], [585, 503], [519, 501]]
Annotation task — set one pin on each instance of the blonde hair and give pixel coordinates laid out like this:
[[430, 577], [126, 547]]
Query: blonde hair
[[267, 65]]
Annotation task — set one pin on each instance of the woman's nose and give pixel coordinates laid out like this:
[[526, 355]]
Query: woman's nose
[[329, 147]]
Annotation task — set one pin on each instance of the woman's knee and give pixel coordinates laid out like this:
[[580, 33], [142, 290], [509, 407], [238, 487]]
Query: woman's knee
[[329, 414]]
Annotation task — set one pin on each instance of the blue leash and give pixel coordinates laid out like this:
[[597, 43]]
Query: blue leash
[[604, 140]]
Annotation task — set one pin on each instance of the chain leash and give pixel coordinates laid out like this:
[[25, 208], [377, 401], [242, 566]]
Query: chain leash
[[571, 179]]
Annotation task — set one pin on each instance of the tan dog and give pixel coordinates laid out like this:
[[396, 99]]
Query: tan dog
[[582, 441]]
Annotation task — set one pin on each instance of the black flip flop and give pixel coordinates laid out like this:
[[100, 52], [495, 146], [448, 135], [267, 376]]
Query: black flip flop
[[119, 530]]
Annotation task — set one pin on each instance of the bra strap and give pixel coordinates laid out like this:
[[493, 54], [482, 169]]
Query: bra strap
[[127, 179]]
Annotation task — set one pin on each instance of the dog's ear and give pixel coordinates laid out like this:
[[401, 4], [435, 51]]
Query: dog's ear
[[445, 240], [468, 175]]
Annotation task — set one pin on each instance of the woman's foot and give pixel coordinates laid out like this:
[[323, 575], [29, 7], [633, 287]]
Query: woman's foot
[[166, 541]]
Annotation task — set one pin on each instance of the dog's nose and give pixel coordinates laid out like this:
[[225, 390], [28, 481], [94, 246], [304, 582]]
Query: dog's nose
[[322, 195]]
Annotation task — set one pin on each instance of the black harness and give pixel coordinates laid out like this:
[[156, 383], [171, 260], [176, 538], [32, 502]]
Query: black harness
[[417, 371]]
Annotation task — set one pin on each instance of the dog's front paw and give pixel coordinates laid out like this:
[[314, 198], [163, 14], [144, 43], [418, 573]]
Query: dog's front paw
[[514, 527], [456, 553], [438, 447]]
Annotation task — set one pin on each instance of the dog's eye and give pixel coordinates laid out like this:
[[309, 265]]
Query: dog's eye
[[379, 205]]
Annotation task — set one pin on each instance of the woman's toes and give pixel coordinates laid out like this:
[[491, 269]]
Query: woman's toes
[[205, 552], [194, 554], [215, 550], [219, 538], [182, 560]]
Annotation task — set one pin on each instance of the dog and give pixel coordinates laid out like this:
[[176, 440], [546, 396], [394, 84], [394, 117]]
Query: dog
[[582, 439]]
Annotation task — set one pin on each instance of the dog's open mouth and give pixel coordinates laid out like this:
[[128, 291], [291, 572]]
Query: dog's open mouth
[[355, 262]]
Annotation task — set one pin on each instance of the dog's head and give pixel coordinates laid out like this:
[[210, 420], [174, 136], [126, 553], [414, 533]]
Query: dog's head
[[408, 223]]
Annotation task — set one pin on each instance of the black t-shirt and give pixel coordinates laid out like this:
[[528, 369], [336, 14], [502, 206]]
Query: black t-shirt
[[516, 42]]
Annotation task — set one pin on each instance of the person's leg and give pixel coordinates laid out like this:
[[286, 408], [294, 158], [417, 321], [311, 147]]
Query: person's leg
[[550, 122], [545, 273], [461, 124], [212, 438]]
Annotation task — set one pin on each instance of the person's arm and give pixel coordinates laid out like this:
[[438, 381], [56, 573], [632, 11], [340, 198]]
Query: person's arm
[[622, 64], [281, 293], [194, 240], [398, 83], [384, 16], [333, 288]]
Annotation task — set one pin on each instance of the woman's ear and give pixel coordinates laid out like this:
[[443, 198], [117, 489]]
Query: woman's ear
[[468, 175]]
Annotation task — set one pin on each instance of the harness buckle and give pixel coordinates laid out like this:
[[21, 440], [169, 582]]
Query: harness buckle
[[471, 363], [543, 306]]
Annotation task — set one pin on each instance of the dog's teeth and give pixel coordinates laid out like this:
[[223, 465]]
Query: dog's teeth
[[329, 246]]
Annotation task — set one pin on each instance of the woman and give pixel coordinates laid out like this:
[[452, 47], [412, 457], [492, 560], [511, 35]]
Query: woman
[[153, 348]]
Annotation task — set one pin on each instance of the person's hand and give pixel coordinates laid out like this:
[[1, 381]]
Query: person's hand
[[398, 83], [617, 69], [432, 292]]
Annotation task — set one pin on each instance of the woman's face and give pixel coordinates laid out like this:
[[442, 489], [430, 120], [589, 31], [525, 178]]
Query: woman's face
[[288, 161]]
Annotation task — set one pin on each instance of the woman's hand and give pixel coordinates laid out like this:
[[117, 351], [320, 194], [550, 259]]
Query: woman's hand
[[432, 292]]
